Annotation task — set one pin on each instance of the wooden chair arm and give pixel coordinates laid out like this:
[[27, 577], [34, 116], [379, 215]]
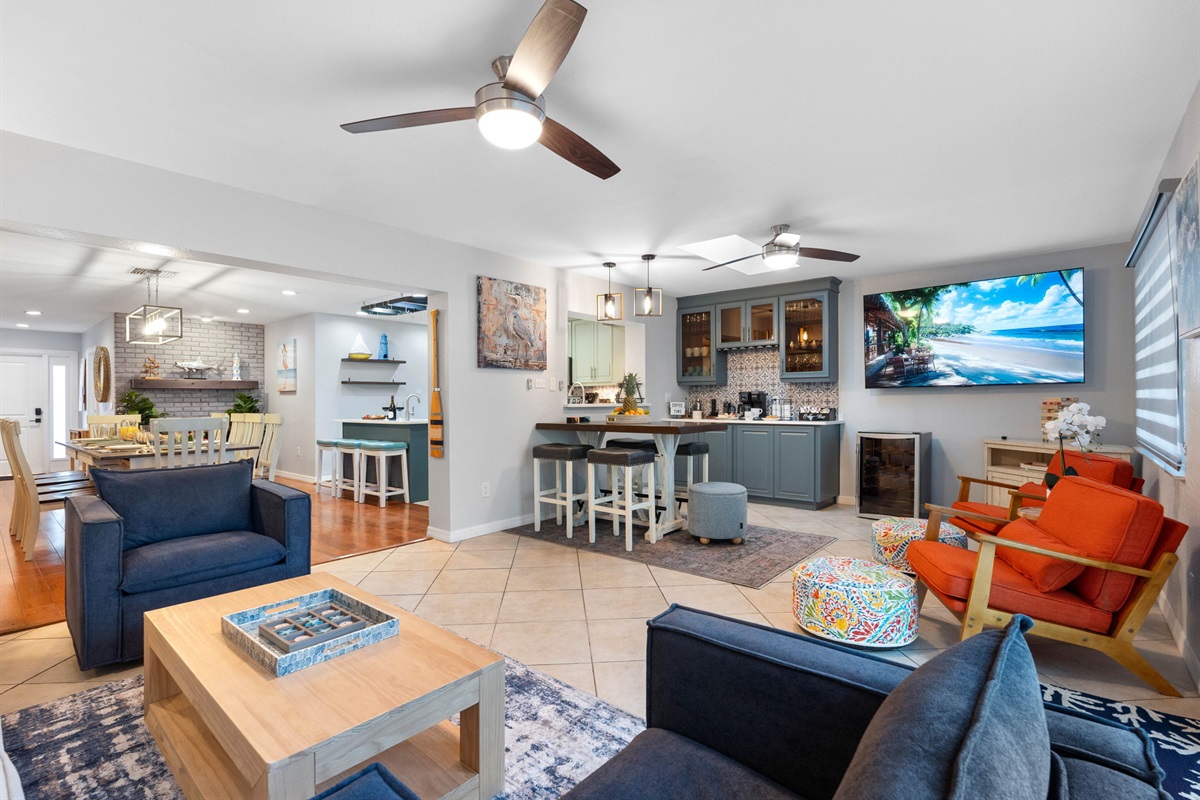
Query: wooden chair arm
[[1087, 562], [965, 482], [1027, 496], [947, 511]]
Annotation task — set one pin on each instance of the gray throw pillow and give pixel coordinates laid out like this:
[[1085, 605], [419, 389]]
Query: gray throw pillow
[[967, 725]]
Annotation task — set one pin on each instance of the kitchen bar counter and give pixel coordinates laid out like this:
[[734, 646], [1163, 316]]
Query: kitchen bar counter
[[822, 422], [384, 421]]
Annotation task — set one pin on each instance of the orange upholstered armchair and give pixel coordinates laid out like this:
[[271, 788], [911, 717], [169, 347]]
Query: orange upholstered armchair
[[1105, 469], [1088, 572]]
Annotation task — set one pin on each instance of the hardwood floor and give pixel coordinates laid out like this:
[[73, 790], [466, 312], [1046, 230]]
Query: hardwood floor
[[31, 592]]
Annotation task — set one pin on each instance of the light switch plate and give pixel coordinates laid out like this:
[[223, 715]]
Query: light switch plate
[[539, 383]]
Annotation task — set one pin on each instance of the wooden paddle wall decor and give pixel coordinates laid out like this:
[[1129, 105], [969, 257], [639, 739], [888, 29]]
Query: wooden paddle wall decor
[[436, 424]]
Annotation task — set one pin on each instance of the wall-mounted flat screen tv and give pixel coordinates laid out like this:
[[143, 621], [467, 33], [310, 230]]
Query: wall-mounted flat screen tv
[[1019, 330]]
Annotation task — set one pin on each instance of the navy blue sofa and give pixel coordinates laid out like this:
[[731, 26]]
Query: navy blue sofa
[[157, 537], [736, 710]]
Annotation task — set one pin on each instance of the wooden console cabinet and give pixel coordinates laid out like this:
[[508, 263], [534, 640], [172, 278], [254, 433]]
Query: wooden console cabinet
[[1016, 462]]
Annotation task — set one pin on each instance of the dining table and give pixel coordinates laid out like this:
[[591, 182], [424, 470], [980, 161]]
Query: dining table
[[126, 456], [666, 437]]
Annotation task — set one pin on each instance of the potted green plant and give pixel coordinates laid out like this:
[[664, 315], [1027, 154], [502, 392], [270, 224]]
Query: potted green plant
[[243, 404], [134, 402]]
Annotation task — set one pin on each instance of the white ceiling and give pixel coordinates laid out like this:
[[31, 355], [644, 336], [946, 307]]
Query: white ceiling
[[921, 133], [76, 285]]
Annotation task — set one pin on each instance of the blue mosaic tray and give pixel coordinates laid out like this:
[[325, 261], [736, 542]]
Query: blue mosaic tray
[[241, 628]]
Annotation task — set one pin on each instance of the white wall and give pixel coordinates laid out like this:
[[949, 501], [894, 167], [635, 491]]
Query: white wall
[[1181, 496], [298, 408], [960, 418], [18, 339]]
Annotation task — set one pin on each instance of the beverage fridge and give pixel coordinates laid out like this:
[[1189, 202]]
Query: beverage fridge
[[893, 474]]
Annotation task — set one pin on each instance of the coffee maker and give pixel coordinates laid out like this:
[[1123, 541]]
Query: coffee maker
[[749, 400]]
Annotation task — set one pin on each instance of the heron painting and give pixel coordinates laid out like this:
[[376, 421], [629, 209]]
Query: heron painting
[[512, 324]]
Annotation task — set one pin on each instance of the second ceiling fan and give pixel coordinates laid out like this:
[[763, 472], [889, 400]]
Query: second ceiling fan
[[784, 251], [511, 113]]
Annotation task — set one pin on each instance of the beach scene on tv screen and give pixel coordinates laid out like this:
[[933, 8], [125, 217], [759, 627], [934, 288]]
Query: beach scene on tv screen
[[1023, 329]]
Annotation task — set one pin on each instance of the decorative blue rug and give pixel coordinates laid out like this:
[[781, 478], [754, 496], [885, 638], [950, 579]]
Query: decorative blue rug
[[94, 744], [1176, 739]]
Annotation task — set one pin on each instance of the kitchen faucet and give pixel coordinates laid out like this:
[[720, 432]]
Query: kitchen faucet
[[407, 411]]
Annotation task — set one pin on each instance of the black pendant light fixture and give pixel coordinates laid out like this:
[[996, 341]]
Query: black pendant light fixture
[[647, 302], [609, 305]]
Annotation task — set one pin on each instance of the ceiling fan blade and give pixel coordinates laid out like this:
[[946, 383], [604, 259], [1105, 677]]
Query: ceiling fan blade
[[411, 120], [828, 255], [736, 260], [544, 46], [575, 149], [786, 239]]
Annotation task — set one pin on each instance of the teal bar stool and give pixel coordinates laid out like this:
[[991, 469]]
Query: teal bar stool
[[382, 452], [348, 447], [329, 446]]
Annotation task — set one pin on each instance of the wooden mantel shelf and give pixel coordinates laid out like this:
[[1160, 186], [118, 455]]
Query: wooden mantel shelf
[[190, 383]]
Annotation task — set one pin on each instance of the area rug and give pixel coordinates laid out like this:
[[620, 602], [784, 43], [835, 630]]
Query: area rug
[[764, 554], [94, 744], [1176, 739]]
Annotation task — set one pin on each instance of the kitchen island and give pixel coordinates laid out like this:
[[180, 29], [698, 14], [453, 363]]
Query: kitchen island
[[415, 432]]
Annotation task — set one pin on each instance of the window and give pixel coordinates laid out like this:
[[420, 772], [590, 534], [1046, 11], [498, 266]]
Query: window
[[1158, 361], [58, 408]]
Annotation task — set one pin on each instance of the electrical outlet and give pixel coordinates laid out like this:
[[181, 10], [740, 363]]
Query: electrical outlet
[[297, 451], [486, 490]]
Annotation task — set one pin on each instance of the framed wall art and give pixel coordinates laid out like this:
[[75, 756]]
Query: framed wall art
[[1185, 254], [512, 324], [285, 372]]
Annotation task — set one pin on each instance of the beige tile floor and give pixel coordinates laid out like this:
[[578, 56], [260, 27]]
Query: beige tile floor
[[581, 617]]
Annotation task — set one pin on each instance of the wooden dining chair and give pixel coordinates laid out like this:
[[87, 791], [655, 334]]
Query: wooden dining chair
[[29, 498], [268, 450], [190, 441], [111, 424]]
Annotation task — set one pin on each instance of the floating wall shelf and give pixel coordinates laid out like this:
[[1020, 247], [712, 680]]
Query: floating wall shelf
[[374, 361], [189, 383], [372, 383]]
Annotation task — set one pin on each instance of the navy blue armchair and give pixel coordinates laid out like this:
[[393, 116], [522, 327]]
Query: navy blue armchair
[[153, 538]]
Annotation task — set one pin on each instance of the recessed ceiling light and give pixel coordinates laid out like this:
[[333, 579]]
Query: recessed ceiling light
[[288, 292], [206, 319], [34, 313], [22, 324], [243, 311]]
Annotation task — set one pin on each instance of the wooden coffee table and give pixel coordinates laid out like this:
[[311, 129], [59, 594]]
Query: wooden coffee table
[[228, 728]]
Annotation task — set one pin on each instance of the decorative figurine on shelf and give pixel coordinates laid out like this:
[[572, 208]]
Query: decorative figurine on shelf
[[383, 350], [359, 351], [237, 367], [150, 368], [196, 369]]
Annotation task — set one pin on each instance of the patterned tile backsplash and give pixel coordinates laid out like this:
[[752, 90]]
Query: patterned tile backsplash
[[758, 371]]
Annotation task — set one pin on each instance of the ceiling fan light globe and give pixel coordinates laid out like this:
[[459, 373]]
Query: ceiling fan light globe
[[510, 128], [779, 257]]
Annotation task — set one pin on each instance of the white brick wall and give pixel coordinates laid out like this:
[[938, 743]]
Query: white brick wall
[[210, 342]]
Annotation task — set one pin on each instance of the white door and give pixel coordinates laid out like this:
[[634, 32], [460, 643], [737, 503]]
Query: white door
[[23, 397]]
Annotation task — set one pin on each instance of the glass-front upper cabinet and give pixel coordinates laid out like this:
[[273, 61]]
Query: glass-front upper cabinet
[[697, 357], [748, 323], [808, 350]]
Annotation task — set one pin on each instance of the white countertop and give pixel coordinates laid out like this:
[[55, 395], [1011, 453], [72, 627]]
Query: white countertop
[[765, 421], [385, 421], [600, 405]]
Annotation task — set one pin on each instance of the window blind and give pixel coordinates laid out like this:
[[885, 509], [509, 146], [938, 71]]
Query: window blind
[[1156, 352]]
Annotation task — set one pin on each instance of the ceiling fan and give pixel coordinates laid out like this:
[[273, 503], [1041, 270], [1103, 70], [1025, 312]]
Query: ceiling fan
[[511, 113], [784, 251]]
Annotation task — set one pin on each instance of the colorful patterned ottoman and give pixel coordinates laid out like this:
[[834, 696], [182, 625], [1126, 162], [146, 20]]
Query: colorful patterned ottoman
[[855, 601], [893, 535]]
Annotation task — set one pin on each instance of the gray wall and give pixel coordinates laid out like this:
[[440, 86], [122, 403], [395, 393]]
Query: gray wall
[[960, 418], [1181, 496], [101, 334], [41, 341]]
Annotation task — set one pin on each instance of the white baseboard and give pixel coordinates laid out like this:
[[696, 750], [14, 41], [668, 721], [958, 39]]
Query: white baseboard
[[475, 531], [1175, 625], [847, 500], [296, 476]]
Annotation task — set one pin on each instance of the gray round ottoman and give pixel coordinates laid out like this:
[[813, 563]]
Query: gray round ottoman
[[717, 511]]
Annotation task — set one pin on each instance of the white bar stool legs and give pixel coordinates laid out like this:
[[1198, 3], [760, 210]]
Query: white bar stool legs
[[613, 504], [562, 495], [382, 452], [327, 446], [347, 447]]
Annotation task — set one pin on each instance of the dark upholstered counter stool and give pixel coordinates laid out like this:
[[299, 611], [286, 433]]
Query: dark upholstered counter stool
[[691, 450], [561, 494], [612, 504]]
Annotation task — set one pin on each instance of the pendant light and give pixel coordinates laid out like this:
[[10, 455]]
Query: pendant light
[[609, 305], [647, 302], [153, 323]]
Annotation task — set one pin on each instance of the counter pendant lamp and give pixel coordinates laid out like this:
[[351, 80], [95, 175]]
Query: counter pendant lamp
[[153, 323], [609, 305], [647, 302]]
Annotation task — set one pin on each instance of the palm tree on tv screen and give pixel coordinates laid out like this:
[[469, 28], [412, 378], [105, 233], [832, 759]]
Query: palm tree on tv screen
[[913, 305], [1064, 275]]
